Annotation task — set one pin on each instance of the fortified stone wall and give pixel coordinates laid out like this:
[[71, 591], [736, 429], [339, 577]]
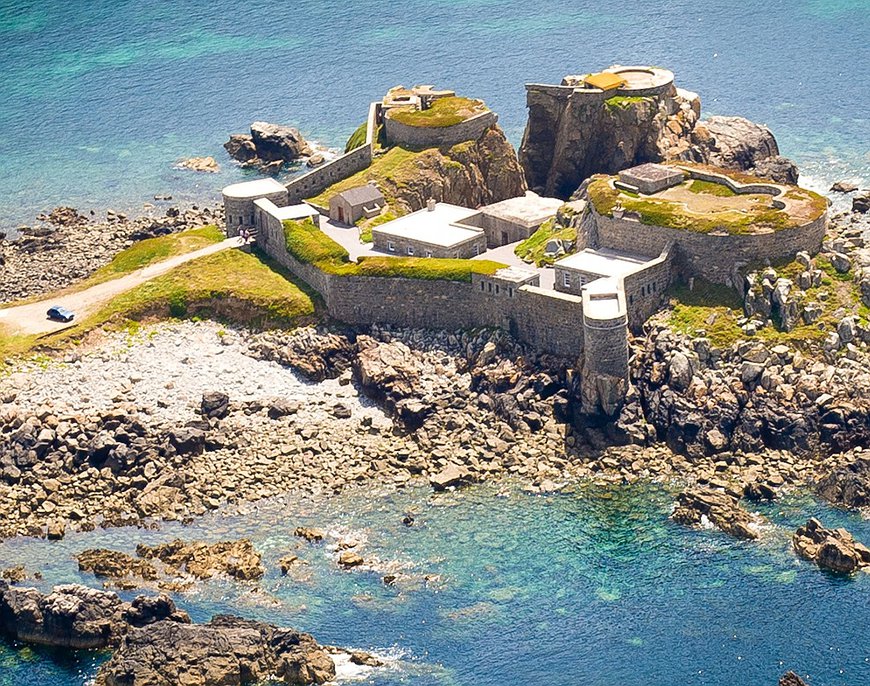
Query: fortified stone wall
[[240, 212], [438, 136], [715, 257], [645, 290]]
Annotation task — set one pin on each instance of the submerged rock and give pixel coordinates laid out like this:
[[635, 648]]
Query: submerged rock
[[238, 559], [228, 651], [452, 476], [833, 549], [791, 679], [115, 565], [719, 508], [201, 164]]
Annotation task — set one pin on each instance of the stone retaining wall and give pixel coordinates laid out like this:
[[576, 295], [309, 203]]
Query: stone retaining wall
[[438, 136], [715, 257]]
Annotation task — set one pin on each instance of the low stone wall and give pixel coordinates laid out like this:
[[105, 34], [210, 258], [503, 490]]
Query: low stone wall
[[324, 176], [438, 136], [715, 257]]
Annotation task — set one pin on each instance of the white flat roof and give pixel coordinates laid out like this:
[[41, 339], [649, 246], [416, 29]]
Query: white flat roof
[[603, 262], [300, 211], [437, 227], [250, 189], [527, 209]]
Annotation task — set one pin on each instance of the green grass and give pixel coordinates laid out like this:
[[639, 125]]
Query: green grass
[[532, 249], [710, 188], [396, 163], [623, 102], [231, 285], [366, 225], [309, 244], [201, 286], [443, 112], [711, 309], [357, 138]]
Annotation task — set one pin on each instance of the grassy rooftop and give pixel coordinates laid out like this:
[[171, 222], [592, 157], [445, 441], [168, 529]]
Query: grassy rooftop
[[727, 211], [307, 243], [443, 112], [532, 249]]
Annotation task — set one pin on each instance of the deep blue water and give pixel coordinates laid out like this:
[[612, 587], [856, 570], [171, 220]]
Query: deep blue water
[[592, 587], [99, 99]]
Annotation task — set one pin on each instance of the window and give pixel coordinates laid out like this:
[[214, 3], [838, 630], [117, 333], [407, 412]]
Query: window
[[496, 289], [566, 279], [510, 292], [429, 254], [391, 246], [489, 287], [482, 286], [477, 250], [410, 250]]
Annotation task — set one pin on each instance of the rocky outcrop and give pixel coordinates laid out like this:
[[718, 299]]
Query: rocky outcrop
[[268, 146], [201, 164], [78, 617], [568, 139], [737, 143], [849, 485], [721, 509], [469, 174], [115, 565], [316, 354], [832, 549], [228, 651], [238, 559]]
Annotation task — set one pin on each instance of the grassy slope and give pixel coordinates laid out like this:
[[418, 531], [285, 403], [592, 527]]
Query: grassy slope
[[715, 309], [357, 138], [533, 247], [394, 164]]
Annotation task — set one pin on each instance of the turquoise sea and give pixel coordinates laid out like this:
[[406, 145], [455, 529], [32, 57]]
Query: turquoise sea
[[594, 586], [99, 99]]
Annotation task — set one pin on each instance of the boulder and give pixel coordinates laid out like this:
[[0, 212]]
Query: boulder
[[309, 534], [187, 440], [274, 142], [849, 485], [452, 476], [315, 160], [844, 187], [832, 549], [241, 147], [680, 371], [737, 143], [387, 370], [215, 405], [841, 262], [348, 559], [719, 508], [861, 202], [228, 651]]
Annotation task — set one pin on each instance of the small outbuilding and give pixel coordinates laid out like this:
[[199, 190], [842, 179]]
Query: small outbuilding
[[351, 205], [438, 230]]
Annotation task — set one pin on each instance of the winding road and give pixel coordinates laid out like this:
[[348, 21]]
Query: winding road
[[31, 318]]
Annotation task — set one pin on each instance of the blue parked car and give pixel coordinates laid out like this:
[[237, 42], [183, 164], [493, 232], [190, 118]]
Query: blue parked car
[[60, 314]]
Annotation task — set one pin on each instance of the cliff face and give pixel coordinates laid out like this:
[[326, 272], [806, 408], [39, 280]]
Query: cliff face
[[470, 174], [567, 138]]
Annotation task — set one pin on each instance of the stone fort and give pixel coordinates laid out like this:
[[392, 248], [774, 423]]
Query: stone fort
[[637, 233]]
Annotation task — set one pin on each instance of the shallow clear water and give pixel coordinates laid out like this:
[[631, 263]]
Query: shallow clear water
[[593, 587], [100, 99]]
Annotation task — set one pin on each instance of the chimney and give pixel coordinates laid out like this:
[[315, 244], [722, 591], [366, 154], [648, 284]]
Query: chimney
[[430, 204]]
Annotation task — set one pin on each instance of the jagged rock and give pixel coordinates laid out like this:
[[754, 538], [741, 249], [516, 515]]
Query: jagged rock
[[215, 404], [187, 440], [349, 558], [849, 485], [452, 476], [719, 508], [861, 202], [228, 651], [833, 549], [274, 142], [238, 559], [241, 147], [309, 534], [114, 564], [15, 574], [201, 164], [66, 216], [791, 679], [844, 187], [74, 616], [316, 355], [387, 370], [680, 371], [287, 562]]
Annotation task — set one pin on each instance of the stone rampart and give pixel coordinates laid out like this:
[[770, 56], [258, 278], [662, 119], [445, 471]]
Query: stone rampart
[[713, 256], [438, 136], [646, 288]]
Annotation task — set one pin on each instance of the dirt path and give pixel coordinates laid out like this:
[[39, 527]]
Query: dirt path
[[32, 319]]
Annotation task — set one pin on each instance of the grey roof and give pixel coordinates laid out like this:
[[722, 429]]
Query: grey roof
[[362, 195]]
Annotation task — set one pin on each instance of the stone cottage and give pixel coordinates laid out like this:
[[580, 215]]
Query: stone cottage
[[438, 230], [351, 205]]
